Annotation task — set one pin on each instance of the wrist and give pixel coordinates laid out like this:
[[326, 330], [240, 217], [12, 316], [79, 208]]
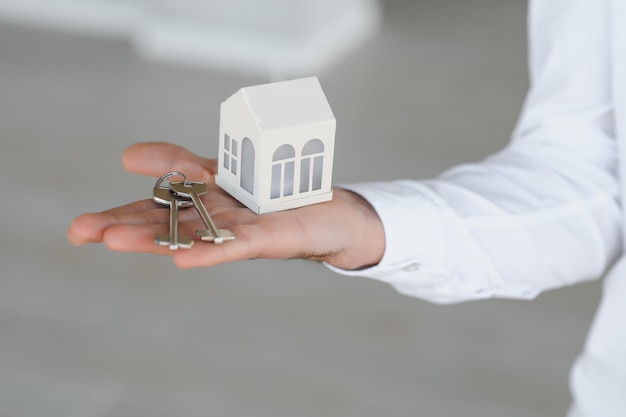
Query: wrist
[[365, 235]]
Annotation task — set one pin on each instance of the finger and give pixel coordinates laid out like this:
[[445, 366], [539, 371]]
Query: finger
[[140, 238], [89, 227], [134, 238], [84, 229], [156, 158]]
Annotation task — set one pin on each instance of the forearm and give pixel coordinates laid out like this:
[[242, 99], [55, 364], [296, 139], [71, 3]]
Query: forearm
[[540, 214], [507, 227]]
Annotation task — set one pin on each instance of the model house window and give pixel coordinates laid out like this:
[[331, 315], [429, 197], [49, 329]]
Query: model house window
[[230, 154], [283, 164], [312, 166]]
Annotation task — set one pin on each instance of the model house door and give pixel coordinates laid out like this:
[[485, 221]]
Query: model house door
[[312, 166], [247, 166], [283, 167]]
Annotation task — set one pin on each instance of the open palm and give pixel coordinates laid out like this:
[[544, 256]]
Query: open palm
[[344, 231]]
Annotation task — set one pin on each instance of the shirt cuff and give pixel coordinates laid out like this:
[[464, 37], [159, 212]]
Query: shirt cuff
[[412, 219]]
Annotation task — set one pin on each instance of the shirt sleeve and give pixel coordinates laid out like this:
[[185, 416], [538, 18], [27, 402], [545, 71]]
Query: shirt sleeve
[[543, 212]]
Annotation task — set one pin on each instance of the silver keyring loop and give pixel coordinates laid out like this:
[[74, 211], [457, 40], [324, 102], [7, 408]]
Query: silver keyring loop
[[169, 175]]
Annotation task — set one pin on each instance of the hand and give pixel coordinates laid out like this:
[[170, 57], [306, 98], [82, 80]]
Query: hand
[[344, 232]]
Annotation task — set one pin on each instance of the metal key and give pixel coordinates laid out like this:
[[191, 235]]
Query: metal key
[[165, 197], [193, 190]]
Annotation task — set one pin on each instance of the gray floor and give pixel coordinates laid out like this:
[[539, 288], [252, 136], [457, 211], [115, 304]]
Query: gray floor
[[85, 332]]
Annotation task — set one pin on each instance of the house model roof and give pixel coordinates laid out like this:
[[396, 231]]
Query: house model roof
[[288, 103]]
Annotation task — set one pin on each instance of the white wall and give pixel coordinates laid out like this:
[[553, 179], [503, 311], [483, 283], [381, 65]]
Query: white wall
[[274, 38]]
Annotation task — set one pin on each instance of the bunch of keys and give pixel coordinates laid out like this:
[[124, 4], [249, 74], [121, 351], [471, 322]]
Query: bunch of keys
[[183, 194]]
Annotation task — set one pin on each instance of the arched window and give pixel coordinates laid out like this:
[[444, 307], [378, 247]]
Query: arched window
[[283, 165], [312, 166], [313, 146], [247, 165]]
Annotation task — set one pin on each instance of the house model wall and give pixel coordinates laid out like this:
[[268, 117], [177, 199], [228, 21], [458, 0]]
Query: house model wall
[[276, 145]]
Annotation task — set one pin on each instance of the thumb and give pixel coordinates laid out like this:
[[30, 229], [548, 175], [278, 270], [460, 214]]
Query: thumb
[[156, 158]]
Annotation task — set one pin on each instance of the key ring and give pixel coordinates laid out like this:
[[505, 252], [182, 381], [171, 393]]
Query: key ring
[[170, 175]]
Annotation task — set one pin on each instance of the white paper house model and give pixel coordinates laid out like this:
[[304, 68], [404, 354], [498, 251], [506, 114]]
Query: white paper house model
[[276, 145]]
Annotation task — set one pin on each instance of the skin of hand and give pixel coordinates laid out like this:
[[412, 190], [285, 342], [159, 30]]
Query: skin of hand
[[345, 232]]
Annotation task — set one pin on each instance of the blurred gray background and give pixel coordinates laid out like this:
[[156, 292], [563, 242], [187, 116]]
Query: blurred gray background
[[90, 333]]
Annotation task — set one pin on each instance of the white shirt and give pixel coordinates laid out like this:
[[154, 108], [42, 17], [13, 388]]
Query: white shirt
[[542, 213]]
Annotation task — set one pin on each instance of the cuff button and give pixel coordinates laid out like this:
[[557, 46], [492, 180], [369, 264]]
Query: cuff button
[[411, 267]]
